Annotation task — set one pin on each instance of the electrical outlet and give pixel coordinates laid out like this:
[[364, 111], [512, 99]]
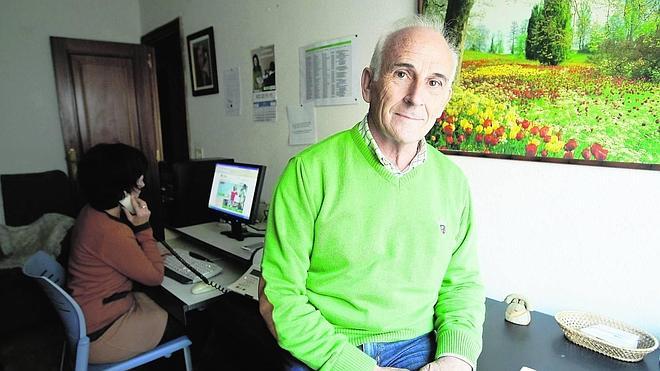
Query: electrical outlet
[[199, 152]]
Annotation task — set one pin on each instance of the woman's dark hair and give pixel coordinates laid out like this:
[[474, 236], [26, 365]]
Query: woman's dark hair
[[255, 58], [107, 170]]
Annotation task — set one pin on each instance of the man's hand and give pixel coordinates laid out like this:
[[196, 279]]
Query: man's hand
[[266, 308], [447, 364]]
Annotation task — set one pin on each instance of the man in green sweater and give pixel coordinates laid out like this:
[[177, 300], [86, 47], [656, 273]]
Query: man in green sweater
[[370, 260]]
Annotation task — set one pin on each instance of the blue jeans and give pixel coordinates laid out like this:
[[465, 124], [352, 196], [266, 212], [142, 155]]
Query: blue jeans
[[410, 354]]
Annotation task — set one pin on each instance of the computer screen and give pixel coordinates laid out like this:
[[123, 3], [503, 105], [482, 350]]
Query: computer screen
[[235, 194]]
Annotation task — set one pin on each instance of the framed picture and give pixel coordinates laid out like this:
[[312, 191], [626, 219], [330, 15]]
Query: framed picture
[[202, 62], [557, 81]]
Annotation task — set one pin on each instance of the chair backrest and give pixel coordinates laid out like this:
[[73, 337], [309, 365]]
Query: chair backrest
[[28, 196], [40, 266]]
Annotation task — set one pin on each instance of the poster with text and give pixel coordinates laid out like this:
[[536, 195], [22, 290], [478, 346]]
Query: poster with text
[[329, 74]]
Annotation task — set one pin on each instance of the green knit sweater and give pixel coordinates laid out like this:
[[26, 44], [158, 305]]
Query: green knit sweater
[[355, 254]]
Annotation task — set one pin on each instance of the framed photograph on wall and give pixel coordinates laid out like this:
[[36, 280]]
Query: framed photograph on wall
[[202, 62]]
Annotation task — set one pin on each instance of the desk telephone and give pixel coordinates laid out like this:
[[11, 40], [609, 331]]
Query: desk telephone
[[247, 284]]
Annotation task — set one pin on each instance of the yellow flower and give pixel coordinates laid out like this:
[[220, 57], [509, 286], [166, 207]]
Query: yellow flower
[[479, 128], [514, 131], [488, 130]]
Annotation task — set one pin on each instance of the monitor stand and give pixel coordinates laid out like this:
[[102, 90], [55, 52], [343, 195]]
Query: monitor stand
[[238, 233]]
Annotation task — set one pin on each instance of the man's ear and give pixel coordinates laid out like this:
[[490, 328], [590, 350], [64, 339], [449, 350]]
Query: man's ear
[[366, 81]]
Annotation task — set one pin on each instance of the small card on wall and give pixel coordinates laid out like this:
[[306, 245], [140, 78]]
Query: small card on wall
[[302, 124]]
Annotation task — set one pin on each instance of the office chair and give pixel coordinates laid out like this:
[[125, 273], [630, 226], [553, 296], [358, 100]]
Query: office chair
[[42, 267]]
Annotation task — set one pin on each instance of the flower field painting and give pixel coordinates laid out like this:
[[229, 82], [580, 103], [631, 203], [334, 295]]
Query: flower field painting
[[574, 81]]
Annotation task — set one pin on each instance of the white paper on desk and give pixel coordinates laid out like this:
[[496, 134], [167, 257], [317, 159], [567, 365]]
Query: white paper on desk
[[302, 124], [612, 335], [232, 88]]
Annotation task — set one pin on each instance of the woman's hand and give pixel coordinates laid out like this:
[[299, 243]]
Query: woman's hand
[[142, 212]]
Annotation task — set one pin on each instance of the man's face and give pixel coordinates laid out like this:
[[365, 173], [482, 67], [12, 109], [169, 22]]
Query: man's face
[[413, 87]]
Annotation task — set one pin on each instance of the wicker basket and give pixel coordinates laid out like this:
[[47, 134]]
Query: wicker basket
[[572, 321]]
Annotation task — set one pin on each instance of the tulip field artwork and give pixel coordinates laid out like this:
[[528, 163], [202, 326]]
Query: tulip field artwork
[[573, 80]]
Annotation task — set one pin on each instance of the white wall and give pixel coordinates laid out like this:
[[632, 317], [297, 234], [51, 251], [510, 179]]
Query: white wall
[[570, 236], [30, 134], [567, 236]]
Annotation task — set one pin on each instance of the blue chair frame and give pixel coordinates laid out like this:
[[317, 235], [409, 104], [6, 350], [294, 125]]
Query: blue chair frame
[[50, 275]]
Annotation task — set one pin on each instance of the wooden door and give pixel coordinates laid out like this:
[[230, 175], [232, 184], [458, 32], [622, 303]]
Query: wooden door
[[106, 93]]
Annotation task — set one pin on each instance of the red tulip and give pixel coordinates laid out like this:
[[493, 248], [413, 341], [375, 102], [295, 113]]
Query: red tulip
[[520, 135], [586, 154], [450, 119], [500, 131], [449, 139], [568, 155], [598, 151], [525, 124], [544, 131], [448, 129], [530, 150], [534, 130], [491, 139], [460, 138], [468, 131], [479, 138], [487, 122], [570, 145], [544, 153]]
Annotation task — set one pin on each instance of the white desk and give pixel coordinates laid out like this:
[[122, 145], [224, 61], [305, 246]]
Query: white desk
[[206, 240], [211, 234]]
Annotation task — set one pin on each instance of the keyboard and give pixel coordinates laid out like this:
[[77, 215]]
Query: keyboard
[[175, 270]]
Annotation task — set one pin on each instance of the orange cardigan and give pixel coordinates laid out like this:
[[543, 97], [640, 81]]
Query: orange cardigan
[[106, 257]]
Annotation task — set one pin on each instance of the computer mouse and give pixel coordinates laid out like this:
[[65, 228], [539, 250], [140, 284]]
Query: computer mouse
[[201, 287]]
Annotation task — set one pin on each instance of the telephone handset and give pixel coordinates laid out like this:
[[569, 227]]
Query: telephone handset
[[126, 203]]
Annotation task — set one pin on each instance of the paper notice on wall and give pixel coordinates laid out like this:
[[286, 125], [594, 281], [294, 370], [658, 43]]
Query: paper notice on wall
[[302, 124], [264, 106], [329, 74], [232, 89]]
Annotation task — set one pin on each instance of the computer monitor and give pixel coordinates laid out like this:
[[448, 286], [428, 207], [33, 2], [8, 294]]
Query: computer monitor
[[235, 194]]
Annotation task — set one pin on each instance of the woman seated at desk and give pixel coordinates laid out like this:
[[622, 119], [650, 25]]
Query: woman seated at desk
[[112, 247]]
